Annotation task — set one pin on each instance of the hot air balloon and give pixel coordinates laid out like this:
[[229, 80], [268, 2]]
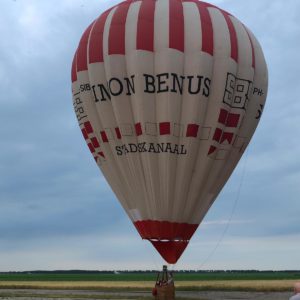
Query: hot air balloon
[[168, 94]]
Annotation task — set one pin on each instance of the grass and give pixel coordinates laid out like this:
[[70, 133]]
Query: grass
[[74, 296], [200, 281], [239, 285], [128, 277]]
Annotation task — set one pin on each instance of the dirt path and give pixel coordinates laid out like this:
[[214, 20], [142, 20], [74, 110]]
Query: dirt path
[[211, 295], [32, 294]]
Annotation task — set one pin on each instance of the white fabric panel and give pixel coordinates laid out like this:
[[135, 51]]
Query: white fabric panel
[[92, 116], [161, 25], [168, 108], [222, 64], [166, 186], [116, 67], [99, 74], [106, 31], [162, 63], [219, 173], [192, 28], [244, 134], [257, 100], [131, 27], [107, 121], [193, 110], [138, 63], [144, 109]]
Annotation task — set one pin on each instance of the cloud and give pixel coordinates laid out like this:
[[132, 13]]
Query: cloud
[[57, 211], [225, 222], [244, 253]]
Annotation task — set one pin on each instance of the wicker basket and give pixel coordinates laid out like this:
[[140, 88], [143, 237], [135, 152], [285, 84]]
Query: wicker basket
[[165, 292]]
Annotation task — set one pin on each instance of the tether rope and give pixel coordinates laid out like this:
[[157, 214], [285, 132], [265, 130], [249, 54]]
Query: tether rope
[[231, 214]]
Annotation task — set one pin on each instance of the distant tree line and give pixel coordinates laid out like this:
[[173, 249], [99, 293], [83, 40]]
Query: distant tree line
[[146, 271]]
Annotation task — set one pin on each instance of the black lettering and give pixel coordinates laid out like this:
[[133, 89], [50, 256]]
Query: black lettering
[[133, 148], [197, 90], [151, 148], [79, 110], [118, 87], [169, 148], [176, 149], [78, 101], [85, 87], [259, 112], [104, 91], [149, 83], [142, 147], [95, 95], [160, 147], [206, 90], [176, 81], [183, 150], [162, 87], [124, 149], [257, 91], [118, 149], [130, 85]]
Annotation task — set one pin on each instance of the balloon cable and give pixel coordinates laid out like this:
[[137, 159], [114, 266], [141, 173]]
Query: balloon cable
[[231, 214]]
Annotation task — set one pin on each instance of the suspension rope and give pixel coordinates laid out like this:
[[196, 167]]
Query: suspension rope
[[210, 255]]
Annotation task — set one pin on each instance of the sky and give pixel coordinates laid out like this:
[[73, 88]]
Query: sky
[[57, 211]]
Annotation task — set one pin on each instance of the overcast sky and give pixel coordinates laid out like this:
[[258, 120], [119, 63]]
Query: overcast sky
[[56, 210]]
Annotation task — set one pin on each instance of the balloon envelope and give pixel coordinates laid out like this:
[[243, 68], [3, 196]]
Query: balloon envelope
[[168, 94]]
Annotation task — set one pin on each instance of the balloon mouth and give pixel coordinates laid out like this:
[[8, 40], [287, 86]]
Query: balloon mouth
[[170, 239], [170, 251]]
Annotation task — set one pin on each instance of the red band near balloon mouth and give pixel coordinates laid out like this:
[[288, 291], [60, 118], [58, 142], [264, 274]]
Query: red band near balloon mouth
[[170, 251], [165, 230], [169, 238]]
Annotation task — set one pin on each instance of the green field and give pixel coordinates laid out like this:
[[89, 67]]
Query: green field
[[148, 276]]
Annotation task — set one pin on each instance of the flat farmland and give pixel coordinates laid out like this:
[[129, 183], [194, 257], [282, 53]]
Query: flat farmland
[[62, 294], [147, 276], [126, 285], [232, 285]]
